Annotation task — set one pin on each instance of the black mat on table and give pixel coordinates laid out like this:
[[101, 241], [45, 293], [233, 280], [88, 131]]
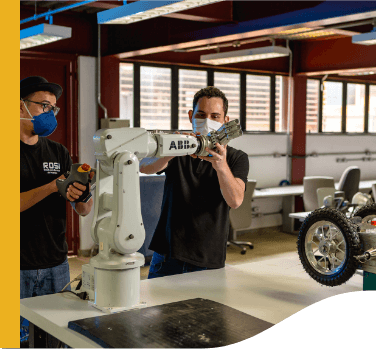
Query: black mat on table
[[193, 323]]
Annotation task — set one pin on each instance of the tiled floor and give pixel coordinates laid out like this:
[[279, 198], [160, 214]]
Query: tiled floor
[[267, 242]]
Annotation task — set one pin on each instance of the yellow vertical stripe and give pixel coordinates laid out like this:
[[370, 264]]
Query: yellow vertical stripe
[[10, 175]]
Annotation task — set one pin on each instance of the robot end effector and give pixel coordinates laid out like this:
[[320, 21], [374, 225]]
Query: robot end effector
[[223, 135], [177, 145]]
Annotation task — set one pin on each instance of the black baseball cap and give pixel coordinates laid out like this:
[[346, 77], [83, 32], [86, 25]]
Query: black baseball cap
[[38, 83]]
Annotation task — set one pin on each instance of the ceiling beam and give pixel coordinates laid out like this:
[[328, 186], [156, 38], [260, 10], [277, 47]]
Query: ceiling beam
[[182, 15], [220, 12], [336, 71], [324, 14], [106, 5]]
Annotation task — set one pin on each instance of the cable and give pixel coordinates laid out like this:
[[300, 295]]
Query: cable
[[78, 278], [99, 74], [81, 295], [79, 285]]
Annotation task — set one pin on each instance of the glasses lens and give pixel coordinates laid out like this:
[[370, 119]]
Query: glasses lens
[[48, 107], [55, 110]]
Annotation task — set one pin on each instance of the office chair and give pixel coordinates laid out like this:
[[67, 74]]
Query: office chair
[[349, 182], [322, 193], [241, 218], [310, 185]]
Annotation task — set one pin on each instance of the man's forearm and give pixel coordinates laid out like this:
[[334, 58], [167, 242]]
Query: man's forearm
[[232, 191], [32, 197], [156, 166]]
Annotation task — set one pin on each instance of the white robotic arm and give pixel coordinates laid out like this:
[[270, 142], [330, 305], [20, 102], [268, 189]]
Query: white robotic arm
[[112, 278]]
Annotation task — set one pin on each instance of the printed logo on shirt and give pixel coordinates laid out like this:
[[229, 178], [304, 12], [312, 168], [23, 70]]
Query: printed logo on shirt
[[51, 167], [181, 145]]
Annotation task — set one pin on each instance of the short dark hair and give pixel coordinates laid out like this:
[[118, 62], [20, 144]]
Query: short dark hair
[[210, 92]]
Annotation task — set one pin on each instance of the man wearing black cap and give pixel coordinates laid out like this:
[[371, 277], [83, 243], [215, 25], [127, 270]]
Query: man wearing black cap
[[44, 264]]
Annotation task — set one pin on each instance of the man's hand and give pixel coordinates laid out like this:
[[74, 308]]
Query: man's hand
[[190, 134], [53, 184], [218, 159], [76, 190]]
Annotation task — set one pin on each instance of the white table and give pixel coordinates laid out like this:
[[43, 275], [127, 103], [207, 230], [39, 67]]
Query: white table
[[299, 215], [288, 194], [267, 289]]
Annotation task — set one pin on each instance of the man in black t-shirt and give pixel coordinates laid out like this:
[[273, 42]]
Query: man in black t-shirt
[[44, 265], [192, 231]]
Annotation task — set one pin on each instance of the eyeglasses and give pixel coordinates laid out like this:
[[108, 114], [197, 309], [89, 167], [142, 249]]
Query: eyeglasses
[[46, 107]]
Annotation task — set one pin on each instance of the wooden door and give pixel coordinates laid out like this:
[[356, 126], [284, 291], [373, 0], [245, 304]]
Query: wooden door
[[60, 69]]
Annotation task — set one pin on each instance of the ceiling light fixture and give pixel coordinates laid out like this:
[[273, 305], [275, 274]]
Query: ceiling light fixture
[[141, 10], [294, 31], [372, 72], [43, 34], [311, 34], [366, 38], [253, 54]]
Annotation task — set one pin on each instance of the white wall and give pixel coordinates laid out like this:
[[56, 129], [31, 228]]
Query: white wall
[[267, 170], [327, 165], [87, 125]]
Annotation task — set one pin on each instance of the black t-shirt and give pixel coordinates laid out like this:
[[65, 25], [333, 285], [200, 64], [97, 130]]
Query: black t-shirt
[[43, 243], [194, 222]]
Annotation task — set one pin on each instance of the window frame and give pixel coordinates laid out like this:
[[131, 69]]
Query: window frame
[[242, 94], [210, 82], [366, 108], [344, 106]]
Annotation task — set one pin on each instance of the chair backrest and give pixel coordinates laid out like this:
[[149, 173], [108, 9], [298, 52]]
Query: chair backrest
[[322, 193], [241, 218], [349, 182], [311, 184]]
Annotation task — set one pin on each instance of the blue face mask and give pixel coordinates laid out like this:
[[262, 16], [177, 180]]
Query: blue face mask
[[44, 124]]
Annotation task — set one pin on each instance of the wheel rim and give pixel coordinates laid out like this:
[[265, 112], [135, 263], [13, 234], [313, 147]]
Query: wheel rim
[[370, 219], [325, 247]]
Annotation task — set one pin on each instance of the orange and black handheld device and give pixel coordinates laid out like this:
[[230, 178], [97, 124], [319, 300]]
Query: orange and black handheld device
[[79, 173]]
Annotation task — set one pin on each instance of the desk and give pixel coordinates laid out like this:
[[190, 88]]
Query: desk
[[299, 215], [288, 194], [271, 289]]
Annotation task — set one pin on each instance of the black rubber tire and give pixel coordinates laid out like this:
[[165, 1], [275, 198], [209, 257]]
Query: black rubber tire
[[251, 247], [351, 236], [364, 211], [243, 252]]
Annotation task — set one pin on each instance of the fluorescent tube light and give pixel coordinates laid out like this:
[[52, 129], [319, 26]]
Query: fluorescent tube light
[[245, 55], [311, 34], [43, 34], [366, 38], [141, 10], [372, 72], [294, 31]]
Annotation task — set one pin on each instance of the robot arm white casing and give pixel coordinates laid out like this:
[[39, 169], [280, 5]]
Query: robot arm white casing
[[112, 278], [117, 222]]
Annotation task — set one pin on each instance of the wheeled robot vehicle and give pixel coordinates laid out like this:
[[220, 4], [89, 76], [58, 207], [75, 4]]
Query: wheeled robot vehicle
[[332, 246]]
